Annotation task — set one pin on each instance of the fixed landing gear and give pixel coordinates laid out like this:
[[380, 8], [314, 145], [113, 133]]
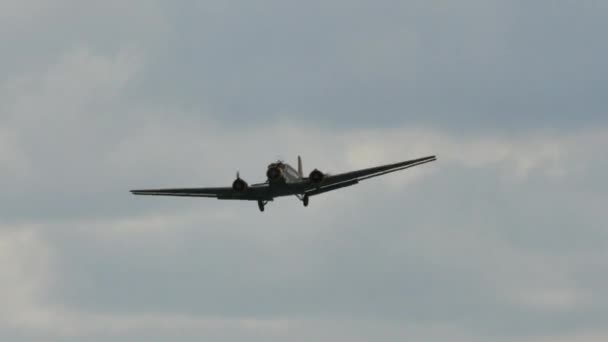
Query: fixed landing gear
[[261, 205], [304, 199]]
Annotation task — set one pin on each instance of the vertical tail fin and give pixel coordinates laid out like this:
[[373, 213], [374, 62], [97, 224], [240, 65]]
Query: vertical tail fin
[[300, 171]]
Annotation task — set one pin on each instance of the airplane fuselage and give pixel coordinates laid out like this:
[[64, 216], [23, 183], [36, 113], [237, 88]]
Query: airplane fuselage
[[282, 173], [282, 178]]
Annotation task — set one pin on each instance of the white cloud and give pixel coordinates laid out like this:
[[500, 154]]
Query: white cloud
[[29, 270], [73, 87], [516, 158], [25, 275]]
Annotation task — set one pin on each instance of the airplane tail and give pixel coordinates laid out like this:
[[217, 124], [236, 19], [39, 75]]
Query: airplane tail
[[300, 171]]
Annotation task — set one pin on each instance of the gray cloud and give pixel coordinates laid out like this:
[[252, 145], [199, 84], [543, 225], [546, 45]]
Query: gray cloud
[[452, 266], [503, 236], [467, 65]]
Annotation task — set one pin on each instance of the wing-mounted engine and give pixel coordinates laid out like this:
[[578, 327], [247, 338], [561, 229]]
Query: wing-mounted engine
[[316, 176], [239, 185]]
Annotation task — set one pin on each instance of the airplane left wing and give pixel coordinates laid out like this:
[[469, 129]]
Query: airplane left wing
[[252, 193], [342, 180]]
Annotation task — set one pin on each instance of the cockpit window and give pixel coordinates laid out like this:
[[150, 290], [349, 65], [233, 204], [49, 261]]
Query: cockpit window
[[277, 164]]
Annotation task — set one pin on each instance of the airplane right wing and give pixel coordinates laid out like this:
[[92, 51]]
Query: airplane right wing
[[342, 180]]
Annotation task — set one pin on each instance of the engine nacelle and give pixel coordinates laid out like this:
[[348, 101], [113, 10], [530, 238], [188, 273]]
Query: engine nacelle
[[239, 185], [316, 176]]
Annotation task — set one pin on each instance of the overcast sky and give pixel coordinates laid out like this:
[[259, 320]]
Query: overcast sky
[[504, 238]]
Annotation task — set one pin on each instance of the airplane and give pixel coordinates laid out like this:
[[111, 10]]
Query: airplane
[[284, 180]]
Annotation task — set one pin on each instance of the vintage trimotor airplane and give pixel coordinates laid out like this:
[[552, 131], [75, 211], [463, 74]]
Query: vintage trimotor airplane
[[284, 180]]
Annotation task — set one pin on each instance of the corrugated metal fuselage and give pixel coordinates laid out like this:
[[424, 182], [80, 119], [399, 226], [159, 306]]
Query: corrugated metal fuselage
[[284, 180]]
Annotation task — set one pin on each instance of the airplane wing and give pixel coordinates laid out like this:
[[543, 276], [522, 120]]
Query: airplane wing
[[334, 182], [253, 193]]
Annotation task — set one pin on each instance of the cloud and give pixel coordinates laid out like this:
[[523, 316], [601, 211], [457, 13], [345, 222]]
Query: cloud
[[475, 65], [503, 236], [195, 259], [25, 273]]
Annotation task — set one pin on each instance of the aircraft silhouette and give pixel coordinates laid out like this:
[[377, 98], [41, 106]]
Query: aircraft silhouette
[[284, 180]]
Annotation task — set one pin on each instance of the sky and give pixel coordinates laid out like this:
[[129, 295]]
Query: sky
[[504, 238]]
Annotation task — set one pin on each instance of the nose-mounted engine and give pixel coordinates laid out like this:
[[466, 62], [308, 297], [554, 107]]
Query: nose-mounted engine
[[275, 172]]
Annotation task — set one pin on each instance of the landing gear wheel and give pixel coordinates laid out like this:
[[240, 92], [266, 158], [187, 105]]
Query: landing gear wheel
[[305, 200], [261, 205]]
